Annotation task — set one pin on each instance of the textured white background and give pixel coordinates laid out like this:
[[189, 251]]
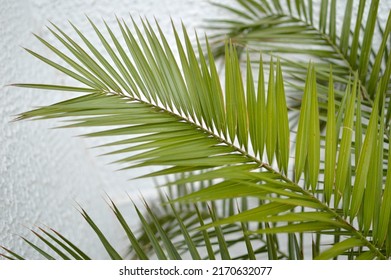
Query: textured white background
[[44, 172]]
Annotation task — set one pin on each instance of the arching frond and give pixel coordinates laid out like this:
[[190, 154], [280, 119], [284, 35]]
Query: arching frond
[[229, 143]]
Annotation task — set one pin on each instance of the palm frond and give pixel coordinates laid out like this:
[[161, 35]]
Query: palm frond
[[259, 25], [173, 113], [171, 239]]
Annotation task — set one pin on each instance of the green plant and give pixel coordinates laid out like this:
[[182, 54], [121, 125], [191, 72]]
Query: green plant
[[243, 168]]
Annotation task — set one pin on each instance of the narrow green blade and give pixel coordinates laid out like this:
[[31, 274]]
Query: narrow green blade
[[331, 143], [364, 161], [302, 140], [345, 31], [314, 136], [343, 162], [283, 131], [109, 248], [151, 236], [170, 248], [367, 40], [132, 238], [271, 111], [261, 110], [185, 232], [340, 248], [383, 228]]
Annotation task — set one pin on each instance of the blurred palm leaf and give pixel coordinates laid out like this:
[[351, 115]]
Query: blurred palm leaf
[[299, 31]]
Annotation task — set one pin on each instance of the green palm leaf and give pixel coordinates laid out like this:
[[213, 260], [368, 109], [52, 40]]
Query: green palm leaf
[[175, 114], [259, 25]]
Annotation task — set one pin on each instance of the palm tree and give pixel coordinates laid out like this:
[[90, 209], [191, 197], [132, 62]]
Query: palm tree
[[285, 153]]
